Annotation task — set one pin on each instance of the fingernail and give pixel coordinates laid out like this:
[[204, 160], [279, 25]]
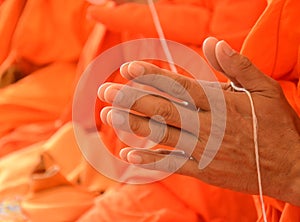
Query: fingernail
[[117, 119], [103, 115], [123, 154], [113, 95], [136, 69], [134, 158], [124, 64], [100, 92], [227, 49]]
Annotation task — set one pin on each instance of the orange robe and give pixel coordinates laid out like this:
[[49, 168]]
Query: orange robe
[[45, 45], [185, 21], [120, 29], [177, 198], [273, 45], [196, 20]]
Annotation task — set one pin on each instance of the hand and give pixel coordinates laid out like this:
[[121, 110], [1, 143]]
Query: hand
[[233, 166]]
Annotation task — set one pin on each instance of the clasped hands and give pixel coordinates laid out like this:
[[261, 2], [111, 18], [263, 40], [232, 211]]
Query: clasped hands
[[233, 166]]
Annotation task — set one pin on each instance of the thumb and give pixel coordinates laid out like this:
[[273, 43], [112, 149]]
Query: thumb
[[240, 70]]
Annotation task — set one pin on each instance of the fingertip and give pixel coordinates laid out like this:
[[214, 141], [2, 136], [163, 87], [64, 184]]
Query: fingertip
[[109, 118], [225, 48], [101, 90], [105, 114], [112, 93], [226, 59], [135, 69], [123, 153], [209, 51], [124, 70], [210, 40], [134, 158], [131, 70]]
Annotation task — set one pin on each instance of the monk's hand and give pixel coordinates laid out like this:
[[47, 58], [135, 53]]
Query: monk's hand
[[189, 117]]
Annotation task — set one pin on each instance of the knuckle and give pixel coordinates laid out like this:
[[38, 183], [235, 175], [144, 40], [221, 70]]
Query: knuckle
[[135, 101], [135, 104], [135, 126], [166, 138], [244, 64], [180, 86], [275, 89], [166, 111], [158, 131]]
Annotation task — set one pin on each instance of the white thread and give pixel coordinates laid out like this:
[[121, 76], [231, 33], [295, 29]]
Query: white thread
[[164, 44], [255, 140], [161, 35], [254, 118]]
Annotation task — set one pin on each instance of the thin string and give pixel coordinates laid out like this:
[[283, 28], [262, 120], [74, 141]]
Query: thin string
[[161, 35], [254, 118], [255, 140]]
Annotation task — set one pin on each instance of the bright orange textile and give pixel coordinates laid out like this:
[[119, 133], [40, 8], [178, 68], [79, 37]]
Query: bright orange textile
[[43, 41], [185, 21], [198, 19], [274, 46], [177, 197], [51, 178]]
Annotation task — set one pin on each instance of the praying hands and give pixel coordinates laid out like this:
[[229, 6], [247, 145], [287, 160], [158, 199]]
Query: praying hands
[[189, 116]]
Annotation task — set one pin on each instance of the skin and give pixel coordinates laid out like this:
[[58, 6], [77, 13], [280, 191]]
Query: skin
[[233, 166]]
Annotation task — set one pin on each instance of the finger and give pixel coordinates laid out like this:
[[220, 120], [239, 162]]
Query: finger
[[176, 85], [102, 89], [156, 107], [154, 131], [240, 70], [168, 163], [209, 46], [104, 114], [123, 152]]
